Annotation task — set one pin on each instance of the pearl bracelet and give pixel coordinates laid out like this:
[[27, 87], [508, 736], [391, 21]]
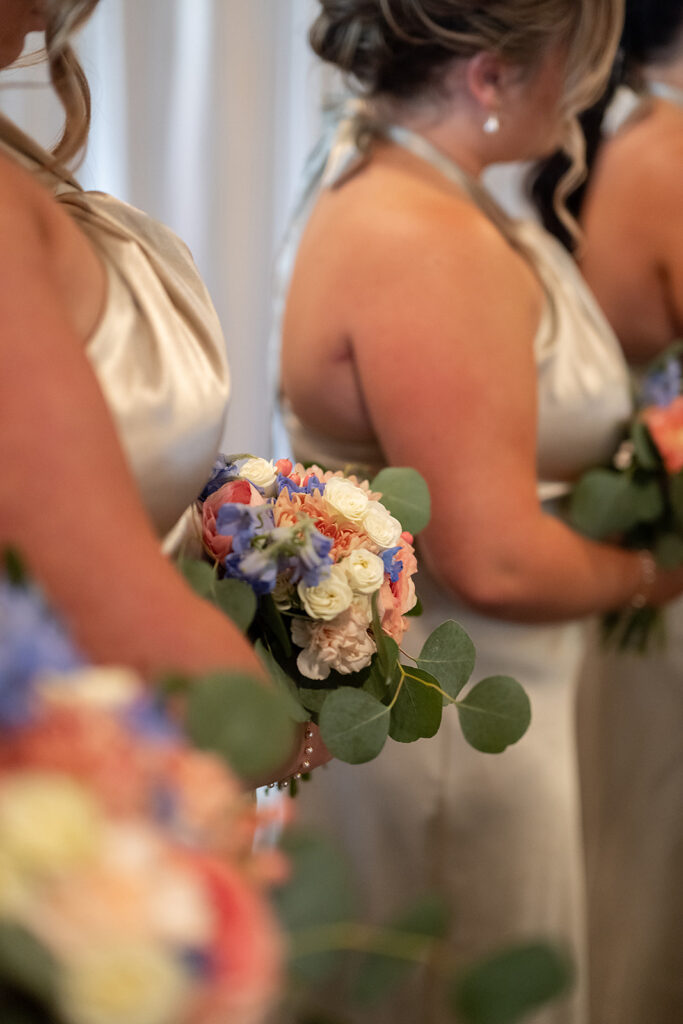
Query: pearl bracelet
[[304, 767], [648, 576]]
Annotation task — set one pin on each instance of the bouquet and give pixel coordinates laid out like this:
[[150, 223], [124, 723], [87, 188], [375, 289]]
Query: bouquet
[[130, 891], [319, 568], [638, 500]]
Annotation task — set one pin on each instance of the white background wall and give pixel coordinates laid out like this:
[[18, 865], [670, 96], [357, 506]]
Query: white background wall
[[204, 111]]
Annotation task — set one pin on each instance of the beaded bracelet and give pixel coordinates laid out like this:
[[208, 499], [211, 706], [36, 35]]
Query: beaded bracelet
[[648, 577], [304, 767]]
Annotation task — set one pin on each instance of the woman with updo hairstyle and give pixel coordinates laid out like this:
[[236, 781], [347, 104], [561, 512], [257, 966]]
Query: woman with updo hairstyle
[[423, 327], [113, 389], [631, 707]]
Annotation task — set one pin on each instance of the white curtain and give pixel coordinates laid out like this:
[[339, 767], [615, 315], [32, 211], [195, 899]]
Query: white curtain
[[204, 111]]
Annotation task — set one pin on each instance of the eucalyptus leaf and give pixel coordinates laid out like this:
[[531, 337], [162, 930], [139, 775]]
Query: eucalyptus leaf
[[25, 964], [495, 714], [416, 713], [198, 574], [406, 495], [646, 453], [387, 648], [237, 600], [317, 893], [449, 655], [510, 985], [240, 718], [313, 699], [648, 499], [284, 683], [354, 725], [605, 503], [417, 928], [416, 611]]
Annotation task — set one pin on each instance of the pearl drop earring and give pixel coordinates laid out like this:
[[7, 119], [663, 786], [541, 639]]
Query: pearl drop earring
[[492, 124]]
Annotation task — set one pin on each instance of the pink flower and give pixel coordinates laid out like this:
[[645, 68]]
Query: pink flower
[[284, 466], [395, 599], [240, 491], [666, 427], [246, 954], [342, 644]]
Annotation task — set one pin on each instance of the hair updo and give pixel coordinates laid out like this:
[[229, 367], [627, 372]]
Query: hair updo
[[401, 48], [63, 18]]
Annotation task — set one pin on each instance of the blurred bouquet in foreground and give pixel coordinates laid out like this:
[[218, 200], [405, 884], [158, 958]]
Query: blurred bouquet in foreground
[[638, 501], [130, 892], [318, 567]]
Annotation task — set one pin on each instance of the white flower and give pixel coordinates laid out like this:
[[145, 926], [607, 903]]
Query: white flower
[[343, 644], [48, 823], [344, 500], [261, 473], [364, 571], [380, 525], [332, 596], [104, 687], [119, 983]]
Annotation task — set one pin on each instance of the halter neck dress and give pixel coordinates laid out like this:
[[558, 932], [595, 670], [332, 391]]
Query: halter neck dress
[[498, 837], [158, 350]]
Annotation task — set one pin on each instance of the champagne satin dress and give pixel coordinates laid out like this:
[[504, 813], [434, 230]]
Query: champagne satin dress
[[158, 350], [499, 837]]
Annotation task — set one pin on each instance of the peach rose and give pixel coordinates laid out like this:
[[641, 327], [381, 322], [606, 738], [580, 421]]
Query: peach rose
[[240, 491], [666, 427]]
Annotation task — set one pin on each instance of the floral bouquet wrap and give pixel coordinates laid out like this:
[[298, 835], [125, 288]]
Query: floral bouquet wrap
[[130, 892], [638, 500], [319, 568]]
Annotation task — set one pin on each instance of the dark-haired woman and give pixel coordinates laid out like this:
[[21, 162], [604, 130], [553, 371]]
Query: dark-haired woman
[[631, 720], [422, 327]]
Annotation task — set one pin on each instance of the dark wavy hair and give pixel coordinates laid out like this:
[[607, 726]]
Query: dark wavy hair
[[651, 29]]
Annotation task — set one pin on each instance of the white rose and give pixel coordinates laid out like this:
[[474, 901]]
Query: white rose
[[364, 571], [345, 500], [48, 823], [331, 597], [135, 983], [380, 526], [261, 473]]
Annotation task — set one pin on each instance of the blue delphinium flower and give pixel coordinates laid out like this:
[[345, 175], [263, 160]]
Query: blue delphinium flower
[[310, 561], [661, 387], [258, 567], [312, 484], [32, 641], [222, 473], [392, 565], [243, 523]]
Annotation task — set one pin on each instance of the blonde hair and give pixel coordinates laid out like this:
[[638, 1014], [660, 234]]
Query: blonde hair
[[63, 18], [403, 48]]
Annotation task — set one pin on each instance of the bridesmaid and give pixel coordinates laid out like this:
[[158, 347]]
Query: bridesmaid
[[631, 719], [113, 389], [423, 327]]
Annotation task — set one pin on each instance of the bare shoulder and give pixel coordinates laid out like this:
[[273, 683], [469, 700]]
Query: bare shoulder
[[644, 161], [26, 209]]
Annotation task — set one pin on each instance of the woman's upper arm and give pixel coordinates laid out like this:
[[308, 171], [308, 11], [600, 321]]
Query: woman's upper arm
[[446, 361]]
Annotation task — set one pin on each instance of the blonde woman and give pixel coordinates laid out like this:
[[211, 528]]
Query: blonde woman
[[423, 327]]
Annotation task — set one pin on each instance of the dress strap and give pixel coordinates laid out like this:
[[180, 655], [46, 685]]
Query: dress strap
[[664, 91], [351, 148]]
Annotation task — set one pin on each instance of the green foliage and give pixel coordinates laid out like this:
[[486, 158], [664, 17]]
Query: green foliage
[[668, 550], [646, 454], [676, 498], [606, 503], [448, 654], [494, 714], [354, 725], [285, 684], [416, 711], [240, 718], [318, 893], [507, 987], [414, 931], [235, 598], [25, 965], [406, 495], [14, 567]]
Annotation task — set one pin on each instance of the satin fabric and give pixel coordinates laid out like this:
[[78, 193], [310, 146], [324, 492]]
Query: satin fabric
[[158, 350], [499, 838]]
